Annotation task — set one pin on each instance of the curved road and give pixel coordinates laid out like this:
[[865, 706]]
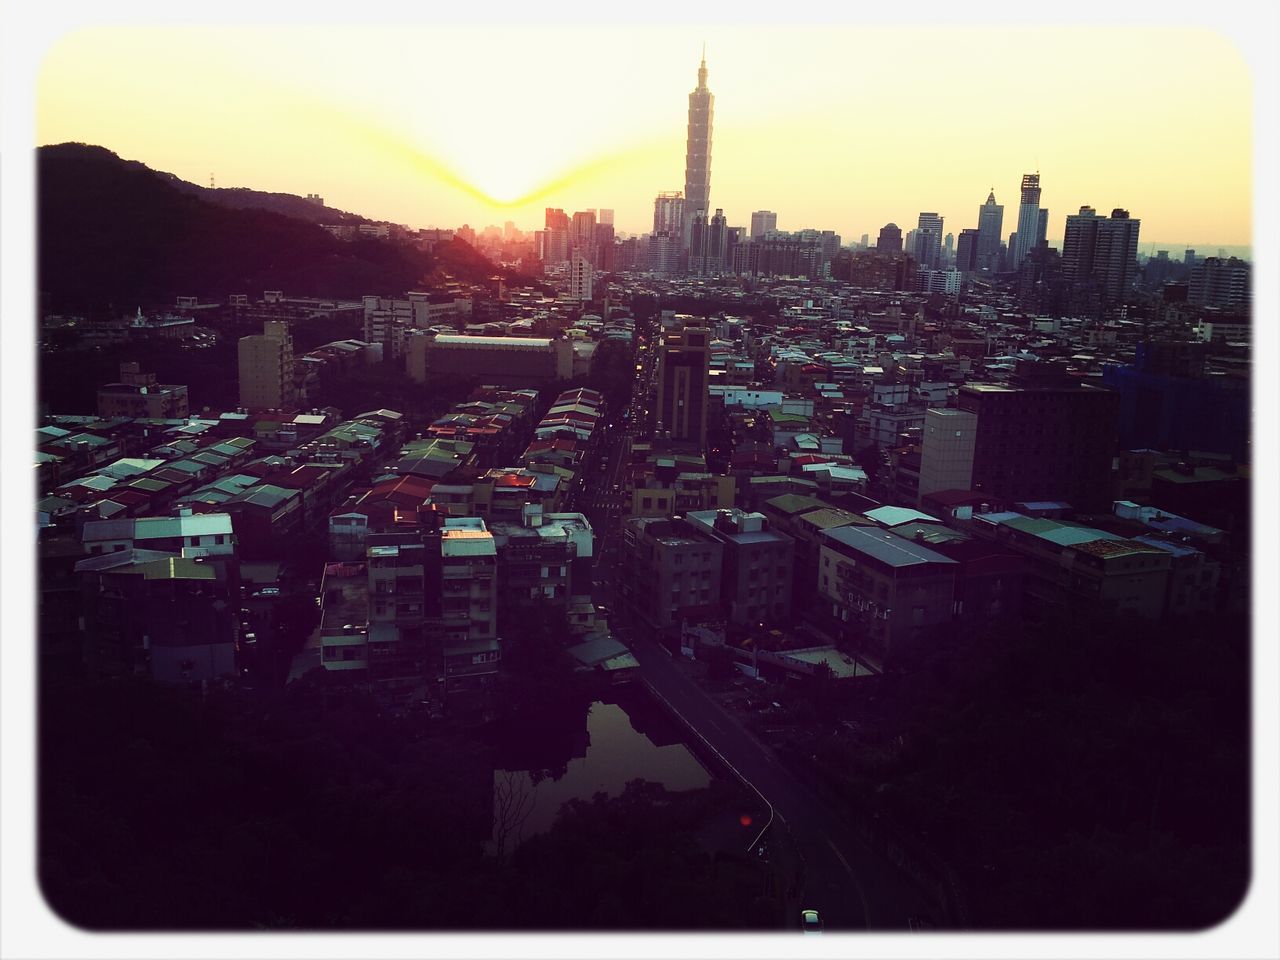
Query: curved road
[[851, 887]]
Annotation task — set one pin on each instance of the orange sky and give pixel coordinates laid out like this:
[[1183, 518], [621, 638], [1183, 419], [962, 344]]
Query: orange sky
[[838, 127]]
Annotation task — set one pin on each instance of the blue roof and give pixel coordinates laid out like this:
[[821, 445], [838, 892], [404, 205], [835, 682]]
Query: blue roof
[[885, 547]]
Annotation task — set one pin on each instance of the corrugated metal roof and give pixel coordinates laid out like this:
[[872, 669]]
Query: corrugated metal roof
[[892, 516], [885, 547]]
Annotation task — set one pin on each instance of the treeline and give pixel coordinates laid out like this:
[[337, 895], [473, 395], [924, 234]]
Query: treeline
[[1089, 772]]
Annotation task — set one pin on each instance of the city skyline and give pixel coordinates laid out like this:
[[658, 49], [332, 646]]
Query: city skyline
[[442, 161]]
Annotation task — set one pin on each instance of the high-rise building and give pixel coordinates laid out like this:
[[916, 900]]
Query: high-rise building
[[697, 163], [668, 214], [928, 245], [1220, 283], [1028, 219], [580, 276], [1100, 256], [604, 216], [557, 240], [967, 251], [582, 233], [890, 239], [865, 241], [683, 363], [762, 221], [266, 368], [990, 222], [948, 249]]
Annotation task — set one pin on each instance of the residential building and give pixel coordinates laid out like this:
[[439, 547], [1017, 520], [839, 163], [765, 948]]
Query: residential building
[[580, 277], [1218, 282], [881, 589], [266, 368], [670, 571], [138, 395], [757, 564], [946, 450], [469, 607]]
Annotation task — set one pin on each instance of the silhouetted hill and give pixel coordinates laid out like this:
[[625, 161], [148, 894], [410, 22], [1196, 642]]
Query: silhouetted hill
[[288, 204], [114, 234]]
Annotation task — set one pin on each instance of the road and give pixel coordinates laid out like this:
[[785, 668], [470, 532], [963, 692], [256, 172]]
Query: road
[[851, 887]]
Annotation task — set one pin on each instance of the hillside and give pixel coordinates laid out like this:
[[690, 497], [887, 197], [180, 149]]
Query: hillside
[[114, 235]]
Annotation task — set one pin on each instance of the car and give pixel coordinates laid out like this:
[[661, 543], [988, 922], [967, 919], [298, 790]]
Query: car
[[810, 922]]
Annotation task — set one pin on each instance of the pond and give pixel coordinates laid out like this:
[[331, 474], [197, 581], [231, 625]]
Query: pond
[[597, 751]]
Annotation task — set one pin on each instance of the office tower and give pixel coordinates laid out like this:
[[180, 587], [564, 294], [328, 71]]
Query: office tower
[[697, 236], [266, 368], [697, 163], [928, 241], [603, 246], [683, 361], [1042, 230], [990, 222], [1028, 219], [967, 251], [509, 230], [949, 249], [580, 277], [890, 239], [716, 243], [668, 214], [865, 241], [1189, 259], [1220, 283], [556, 219], [604, 216], [762, 221]]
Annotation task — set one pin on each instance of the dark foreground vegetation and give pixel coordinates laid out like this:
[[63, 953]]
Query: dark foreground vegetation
[[1081, 773]]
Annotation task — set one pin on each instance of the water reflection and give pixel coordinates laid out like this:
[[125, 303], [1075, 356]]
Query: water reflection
[[579, 754]]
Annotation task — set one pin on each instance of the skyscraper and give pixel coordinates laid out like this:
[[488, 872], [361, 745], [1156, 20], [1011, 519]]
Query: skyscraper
[[697, 162], [928, 245], [967, 251], [990, 222], [1028, 219], [668, 214], [762, 221]]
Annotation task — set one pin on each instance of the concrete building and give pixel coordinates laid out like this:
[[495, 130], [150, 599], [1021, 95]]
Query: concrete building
[[683, 363], [755, 584], [266, 369], [469, 605], [762, 222], [946, 450], [1216, 282], [505, 361], [1043, 436], [880, 589], [580, 277], [671, 571], [137, 395]]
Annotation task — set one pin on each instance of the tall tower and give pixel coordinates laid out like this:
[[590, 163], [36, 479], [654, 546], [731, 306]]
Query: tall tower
[[1028, 218], [697, 158], [990, 222]]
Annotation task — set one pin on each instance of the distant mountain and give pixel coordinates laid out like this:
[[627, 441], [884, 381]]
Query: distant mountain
[[114, 235]]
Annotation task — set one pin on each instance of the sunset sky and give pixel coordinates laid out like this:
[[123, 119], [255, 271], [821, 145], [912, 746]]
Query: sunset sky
[[833, 127]]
